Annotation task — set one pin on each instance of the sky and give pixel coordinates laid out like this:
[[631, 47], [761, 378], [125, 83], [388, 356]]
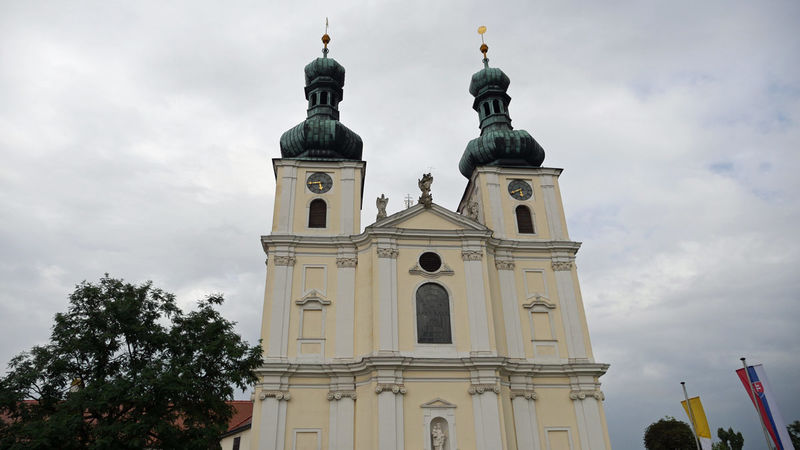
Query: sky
[[136, 139]]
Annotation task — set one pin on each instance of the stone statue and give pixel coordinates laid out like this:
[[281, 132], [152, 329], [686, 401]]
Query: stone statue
[[438, 437], [472, 210], [381, 202], [425, 186]]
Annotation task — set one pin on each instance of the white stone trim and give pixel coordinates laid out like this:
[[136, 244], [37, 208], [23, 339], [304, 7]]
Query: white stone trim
[[280, 310], [326, 229], [547, 431], [511, 316], [493, 189], [486, 413], [552, 208], [347, 213], [390, 421], [434, 409], [272, 424], [309, 303], [476, 305], [324, 268], [528, 292], [345, 311], [286, 201], [573, 329], [387, 299], [525, 422], [307, 430], [341, 429]]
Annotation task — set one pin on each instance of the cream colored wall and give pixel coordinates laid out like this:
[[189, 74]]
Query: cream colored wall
[[314, 413], [452, 392], [582, 312], [554, 410], [302, 286], [552, 296], [227, 442]]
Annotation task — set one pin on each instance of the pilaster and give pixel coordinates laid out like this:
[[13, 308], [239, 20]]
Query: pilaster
[[511, 310], [387, 296], [283, 261], [476, 298], [345, 304], [552, 208], [576, 348]]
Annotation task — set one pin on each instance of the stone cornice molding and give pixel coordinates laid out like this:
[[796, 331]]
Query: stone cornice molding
[[313, 296], [539, 300], [284, 260], [528, 394], [393, 388], [477, 389], [346, 262], [471, 255], [369, 363], [504, 264], [279, 395], [597, 394], [563, 265], [338, 395], [444, 270], [384, 252]]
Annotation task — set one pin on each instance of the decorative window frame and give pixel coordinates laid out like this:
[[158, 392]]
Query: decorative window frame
[[547, 431], [540, 304], [318, 431], [312, 301], [418, 270], [434, 409], [533, 294], [324, 290], [519, 203], [434, 350], [327, 213]]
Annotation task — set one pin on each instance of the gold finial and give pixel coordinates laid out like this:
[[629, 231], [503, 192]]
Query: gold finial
[[325, 39], [484, 47]]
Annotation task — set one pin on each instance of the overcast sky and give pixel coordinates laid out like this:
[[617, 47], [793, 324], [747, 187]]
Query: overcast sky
[[136, 139]]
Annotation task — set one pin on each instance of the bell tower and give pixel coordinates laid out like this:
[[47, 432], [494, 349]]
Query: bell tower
[[320, 174]]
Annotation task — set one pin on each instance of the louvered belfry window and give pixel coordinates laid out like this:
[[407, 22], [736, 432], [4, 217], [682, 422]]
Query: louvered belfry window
[[524, 220], [433, 315], [317, 213]]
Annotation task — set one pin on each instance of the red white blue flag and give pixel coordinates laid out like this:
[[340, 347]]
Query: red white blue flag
[[767, 405]]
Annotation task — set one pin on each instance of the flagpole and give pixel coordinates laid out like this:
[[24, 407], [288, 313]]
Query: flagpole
[[758, 408], [691, 415]]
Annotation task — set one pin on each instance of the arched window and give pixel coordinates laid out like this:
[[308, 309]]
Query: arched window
[[524, 220], [496, 107], [314, 99], [323, 99], [317, 213], [486, 109], [433, 315]]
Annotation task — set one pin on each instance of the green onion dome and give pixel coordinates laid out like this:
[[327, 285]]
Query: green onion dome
[[321, 136], [499, 143]]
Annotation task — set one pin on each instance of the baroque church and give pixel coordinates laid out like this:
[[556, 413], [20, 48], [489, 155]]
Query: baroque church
[[430, 329]]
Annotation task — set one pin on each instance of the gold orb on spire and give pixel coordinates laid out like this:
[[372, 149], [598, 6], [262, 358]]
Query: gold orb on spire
[[325, 37], [484, 47]]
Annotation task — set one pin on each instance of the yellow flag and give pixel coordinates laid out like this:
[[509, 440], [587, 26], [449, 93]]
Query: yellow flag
[[700, 422]]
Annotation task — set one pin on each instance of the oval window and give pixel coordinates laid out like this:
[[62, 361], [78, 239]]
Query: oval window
[[430, 262]]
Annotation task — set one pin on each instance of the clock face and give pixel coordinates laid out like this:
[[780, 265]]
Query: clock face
[[520, 190], [319, 183]]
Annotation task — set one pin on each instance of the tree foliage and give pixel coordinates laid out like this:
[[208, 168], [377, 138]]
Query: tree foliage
[[126, 368], [669, 433], [729, 440], [794, 433]]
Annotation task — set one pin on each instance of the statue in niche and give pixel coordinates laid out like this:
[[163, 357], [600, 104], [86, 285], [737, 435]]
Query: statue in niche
[[425, 186], [381, 203], [438, 437]]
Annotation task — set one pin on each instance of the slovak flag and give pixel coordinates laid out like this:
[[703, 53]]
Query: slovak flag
[[767, 405]]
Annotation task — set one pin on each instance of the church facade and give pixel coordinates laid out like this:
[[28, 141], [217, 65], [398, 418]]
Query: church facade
[[430, 329]]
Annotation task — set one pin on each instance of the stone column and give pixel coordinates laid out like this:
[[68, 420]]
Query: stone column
[[272, 429], [552, 208], [390, 416], [573, 328], [590, 425], [342, 426], [525, 423], [476, 300], [486, 410], [494, 191], [345, 305], [387, 298], [347, 218], [511, 309], [288, 182], [283, 263]]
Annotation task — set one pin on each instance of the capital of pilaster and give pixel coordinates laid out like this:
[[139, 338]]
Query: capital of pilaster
[[528, 394], [385, 252], [597, 394], [563, 265], [346, 262], [338, 395], [504, 264], [477, 389], [393, 388], [284, 260], [471, 255], [279, 395]]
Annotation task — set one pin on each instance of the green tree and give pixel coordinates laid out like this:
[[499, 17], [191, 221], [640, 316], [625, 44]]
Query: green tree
[[125, 368], [669, 433], [730, 440], [794, 433]]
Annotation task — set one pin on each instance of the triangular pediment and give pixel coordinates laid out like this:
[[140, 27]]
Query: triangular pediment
[[434, 218], [437, 403]]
